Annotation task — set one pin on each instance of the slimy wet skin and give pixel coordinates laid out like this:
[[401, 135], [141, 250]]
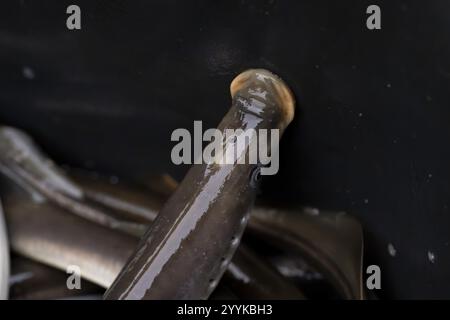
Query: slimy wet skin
[[305, 232], [188, 247], [51, 235], [247, 275], [254, 278], [23, 162], [331, 242], [131, 203]]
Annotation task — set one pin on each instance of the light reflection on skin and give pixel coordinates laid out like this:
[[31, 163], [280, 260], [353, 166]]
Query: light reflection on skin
[[181, 229]]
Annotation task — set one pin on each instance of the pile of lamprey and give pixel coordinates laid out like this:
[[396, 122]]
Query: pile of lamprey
[[76, 234]]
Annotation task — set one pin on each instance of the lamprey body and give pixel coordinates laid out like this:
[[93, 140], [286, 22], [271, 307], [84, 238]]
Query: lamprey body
[[188, 247]]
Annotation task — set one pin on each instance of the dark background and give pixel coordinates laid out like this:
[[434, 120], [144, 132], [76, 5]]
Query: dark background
[[371, 134]]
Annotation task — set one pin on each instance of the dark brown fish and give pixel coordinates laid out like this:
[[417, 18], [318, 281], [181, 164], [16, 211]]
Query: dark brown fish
[[190, 244], [34, 235], [253, 277], [331, 242], [47, 234], [22, 161], [126, 201], [284, 221], [247, 275]]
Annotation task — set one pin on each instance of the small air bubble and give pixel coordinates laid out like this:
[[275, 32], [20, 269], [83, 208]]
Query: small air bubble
[[28, 73], [391, 249], [431, 257]]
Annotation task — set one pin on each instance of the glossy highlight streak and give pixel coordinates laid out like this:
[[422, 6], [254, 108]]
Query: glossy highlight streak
[[180, 231]]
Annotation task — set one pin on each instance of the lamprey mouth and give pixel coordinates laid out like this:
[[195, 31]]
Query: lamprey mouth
[[267, 82]]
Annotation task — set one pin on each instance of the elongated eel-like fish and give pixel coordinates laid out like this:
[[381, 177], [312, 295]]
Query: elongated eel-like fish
[[331, 242], [4, 258], [47, 234], [50, 235], [245, 278], [24, 163], [146, 205], [247, 275], [134, 204], [191, 242]]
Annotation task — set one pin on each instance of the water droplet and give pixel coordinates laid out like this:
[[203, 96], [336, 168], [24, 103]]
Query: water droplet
[[360, 115], [391, 249], [366, 201], [388, 85], [28, 73], [431, 257]]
